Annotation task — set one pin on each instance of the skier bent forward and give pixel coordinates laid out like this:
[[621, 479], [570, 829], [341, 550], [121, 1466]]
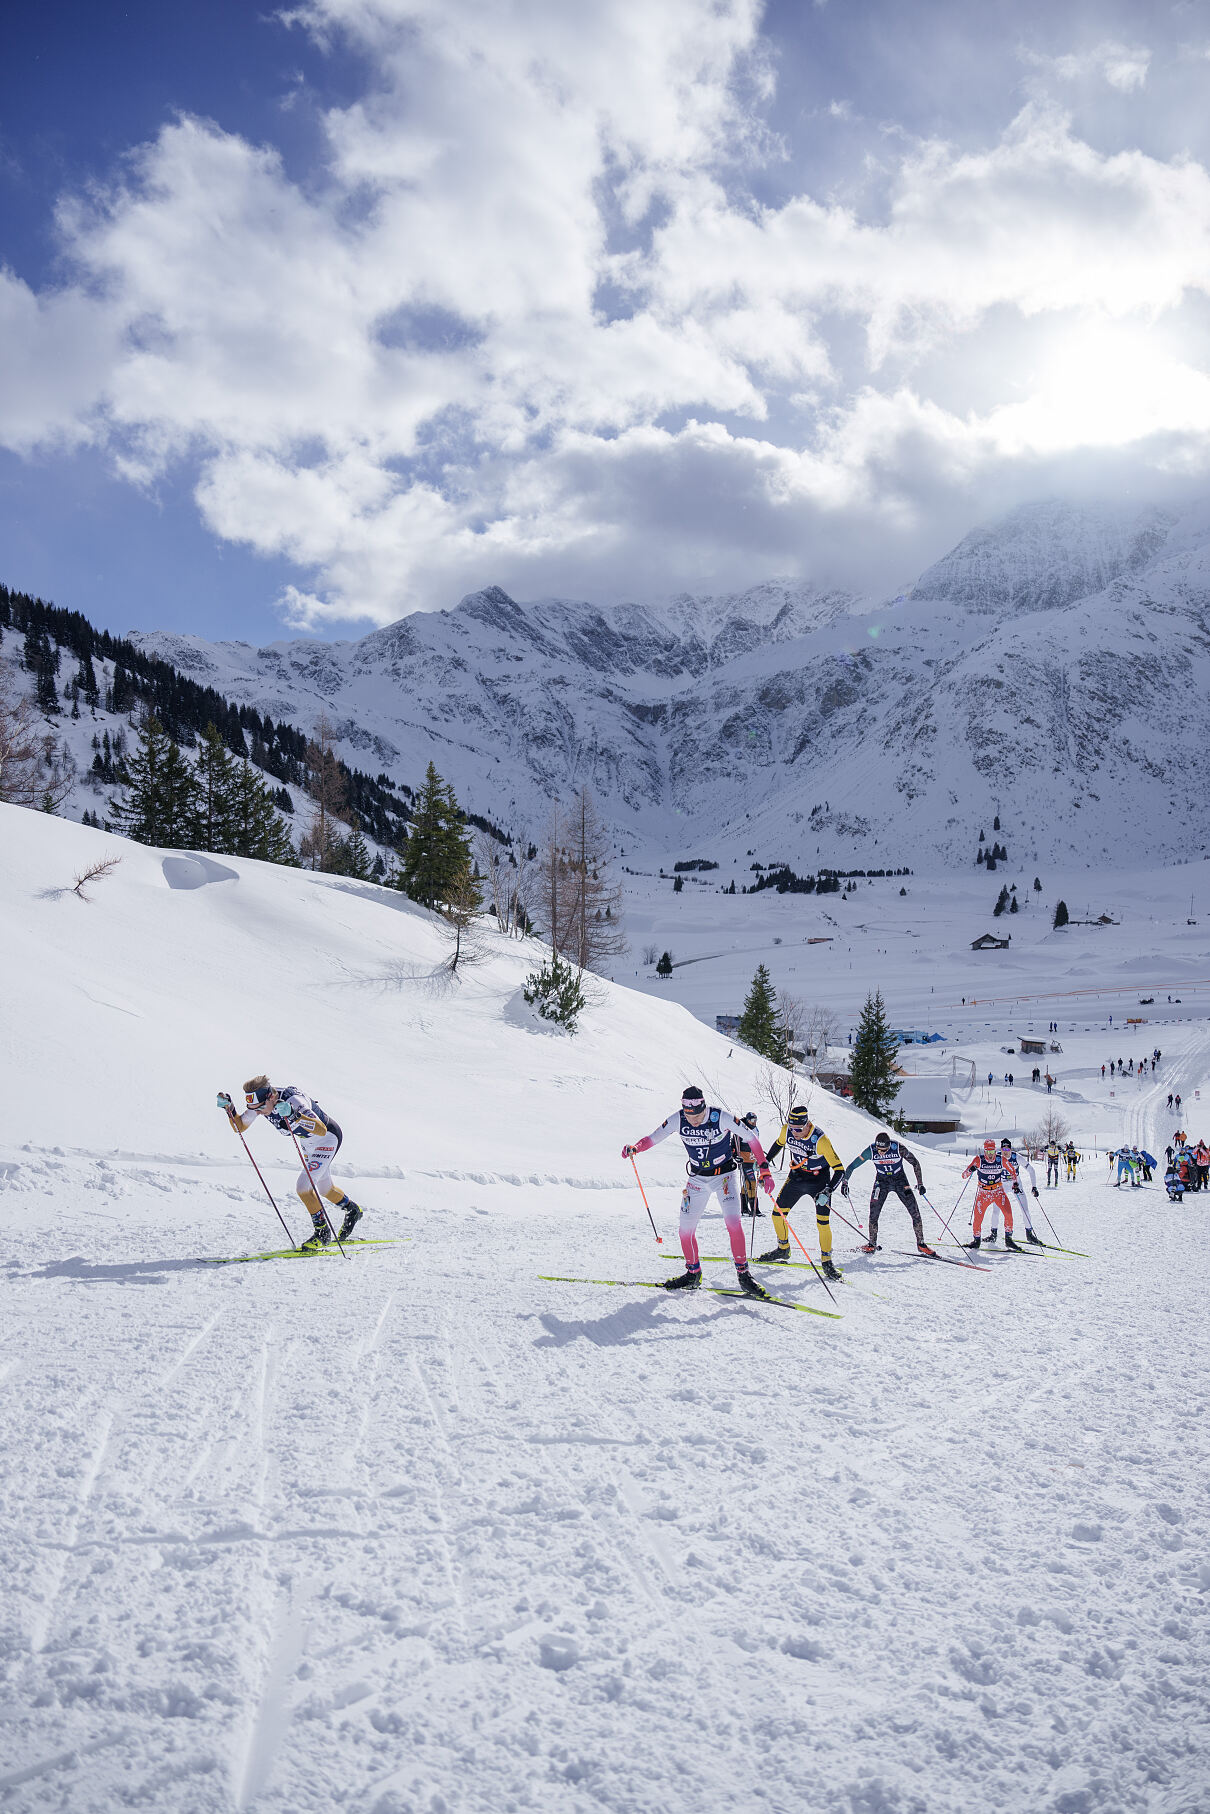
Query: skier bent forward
[[319, 1137]]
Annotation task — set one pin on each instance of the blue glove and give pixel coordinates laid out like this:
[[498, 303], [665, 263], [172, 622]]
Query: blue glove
[[224, 1101]]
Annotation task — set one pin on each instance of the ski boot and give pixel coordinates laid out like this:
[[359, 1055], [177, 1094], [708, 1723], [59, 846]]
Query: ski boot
[[687, 1281], [870, 1247], [353, 1215], [930, 1253], [748, 1284], [829, 1271], [1032, 1238], [320, 1237], [993, 1237], [1011, 1245], [780, 1252], [977, 1242]]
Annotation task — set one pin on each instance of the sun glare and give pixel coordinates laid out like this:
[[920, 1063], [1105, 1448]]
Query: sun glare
[[1104, 386]]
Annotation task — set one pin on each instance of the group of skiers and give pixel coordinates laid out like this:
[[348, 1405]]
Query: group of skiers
[[1187, 1167], [1120, 1067], [718, 1146], [1135, 1167], [726, 1163]]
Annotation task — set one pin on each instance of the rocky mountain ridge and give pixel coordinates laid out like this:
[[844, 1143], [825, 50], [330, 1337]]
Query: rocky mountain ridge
[[1052, 669]]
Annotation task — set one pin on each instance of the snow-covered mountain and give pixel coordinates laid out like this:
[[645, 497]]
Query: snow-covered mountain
[[1052, 669]]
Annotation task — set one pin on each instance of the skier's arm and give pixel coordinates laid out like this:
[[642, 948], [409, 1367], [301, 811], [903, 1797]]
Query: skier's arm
[[241, 1122], [662, 1132], [826, 1150], [779, 1143], [915, 1165], [851, 1167]]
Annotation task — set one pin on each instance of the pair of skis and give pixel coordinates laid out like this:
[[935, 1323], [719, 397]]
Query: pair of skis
[[722, 1291], [298, 1253]]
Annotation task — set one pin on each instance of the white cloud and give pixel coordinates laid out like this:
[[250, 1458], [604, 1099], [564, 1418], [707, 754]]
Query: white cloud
[[527, 323], [1123, 66]]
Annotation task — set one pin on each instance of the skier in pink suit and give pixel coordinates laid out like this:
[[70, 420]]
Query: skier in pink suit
[[707, 1134]]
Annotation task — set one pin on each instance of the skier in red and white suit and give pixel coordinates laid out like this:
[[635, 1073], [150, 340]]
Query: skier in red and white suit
[[994, 1168]]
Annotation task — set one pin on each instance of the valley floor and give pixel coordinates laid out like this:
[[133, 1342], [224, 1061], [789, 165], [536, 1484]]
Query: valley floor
[[417, 1531]]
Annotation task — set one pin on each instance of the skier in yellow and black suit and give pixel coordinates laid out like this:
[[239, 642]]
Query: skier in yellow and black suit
[[1073, 1159], [815, 1170]]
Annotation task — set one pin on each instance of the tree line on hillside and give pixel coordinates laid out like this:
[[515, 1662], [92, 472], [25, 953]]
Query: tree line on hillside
[[144, 685]]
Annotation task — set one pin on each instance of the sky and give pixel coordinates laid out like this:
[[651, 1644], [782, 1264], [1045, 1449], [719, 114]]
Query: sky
[[313, 318]]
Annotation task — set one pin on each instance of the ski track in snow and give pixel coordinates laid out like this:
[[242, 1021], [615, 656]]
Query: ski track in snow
[[417, 1526]]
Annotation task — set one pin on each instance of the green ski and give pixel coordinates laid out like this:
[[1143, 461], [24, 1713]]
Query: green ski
[[296, 1253], [550, 1278], [725, 1259]]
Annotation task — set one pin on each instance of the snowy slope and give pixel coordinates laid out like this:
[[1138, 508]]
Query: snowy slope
[[1054, 668], [417, 1531]]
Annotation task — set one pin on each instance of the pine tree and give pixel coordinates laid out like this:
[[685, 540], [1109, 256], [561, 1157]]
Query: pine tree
[[1037, 885], [257, 828], [1061, 914], [163, 798], [1001, 903], [355, 857], [1013, 908], [872, 1073], [678, 884], [759, 1026], [218, 809], [664, 967], [437, 856]]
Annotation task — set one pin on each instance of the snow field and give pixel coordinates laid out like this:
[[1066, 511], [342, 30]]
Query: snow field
[[416, 1531]]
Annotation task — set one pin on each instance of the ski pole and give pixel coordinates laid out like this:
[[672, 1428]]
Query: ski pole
[[953, 1212], [855, 1226], [1054, 1231], [323, 1208], [256, 1168], [646, 1205]]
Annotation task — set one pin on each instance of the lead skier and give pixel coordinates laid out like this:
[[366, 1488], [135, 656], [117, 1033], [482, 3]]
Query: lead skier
[[994, 1169], [293, 1113], [708, 1134], [1009, 1152]]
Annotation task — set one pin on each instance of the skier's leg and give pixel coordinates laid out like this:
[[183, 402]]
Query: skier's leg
[[907, 1197], [729, 1199], [1007, 1207], [877, 1199], [692, 1204], [819, 1187], [316, 1181], [822, 1192], [983, 1199], [1023, 1200]]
